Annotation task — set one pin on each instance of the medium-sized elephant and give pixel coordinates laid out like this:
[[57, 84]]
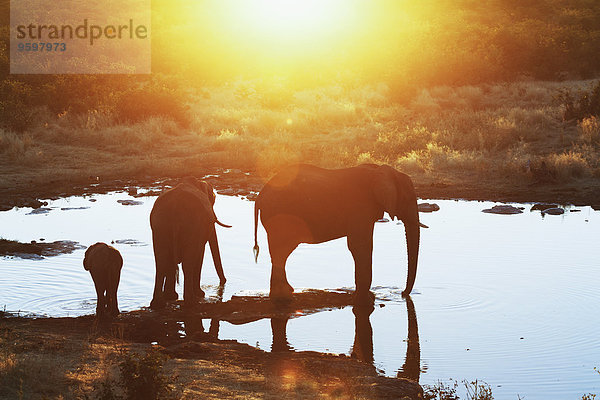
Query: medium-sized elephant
[[182, 221], [104, 263], [308, 204]]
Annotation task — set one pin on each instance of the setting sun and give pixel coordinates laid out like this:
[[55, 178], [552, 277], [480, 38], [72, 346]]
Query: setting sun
[[286, 27], [291, 18]]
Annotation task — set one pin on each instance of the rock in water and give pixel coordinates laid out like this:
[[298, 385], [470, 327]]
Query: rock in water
[[503, 209], [428, 207], [553, 211], [129, 202], [542, 207]]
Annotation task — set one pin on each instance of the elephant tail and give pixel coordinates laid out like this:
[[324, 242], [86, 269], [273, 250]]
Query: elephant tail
[[256, 249], [222, 224]]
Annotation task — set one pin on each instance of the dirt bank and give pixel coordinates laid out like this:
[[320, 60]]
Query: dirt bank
[[23, 193], [83, 352]]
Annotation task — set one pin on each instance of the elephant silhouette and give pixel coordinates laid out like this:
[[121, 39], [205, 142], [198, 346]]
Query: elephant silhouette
[[308, 204], [182, 222], [104, 263]]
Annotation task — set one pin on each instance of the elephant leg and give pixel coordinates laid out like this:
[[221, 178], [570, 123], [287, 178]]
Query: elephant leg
[[191, 277], [171, 269], [100, 302], [165, 273], [280, 251], [158, 300], [360, 244], [111, 292], [198, 292], [169, 290], [100, 287]]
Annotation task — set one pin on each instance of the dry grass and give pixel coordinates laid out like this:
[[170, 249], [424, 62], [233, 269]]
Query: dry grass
[[57, 359], [491, 131], [589, 130], [13, 145], [41, 366]]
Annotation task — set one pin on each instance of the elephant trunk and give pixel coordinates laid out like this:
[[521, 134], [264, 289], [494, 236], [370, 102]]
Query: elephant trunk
[[412, 244], [216, 255]]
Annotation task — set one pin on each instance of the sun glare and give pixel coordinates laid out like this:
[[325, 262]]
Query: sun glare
[[293, 17], [287, 26]]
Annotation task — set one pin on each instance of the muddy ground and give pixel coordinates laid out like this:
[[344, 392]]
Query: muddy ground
[[83, 351]]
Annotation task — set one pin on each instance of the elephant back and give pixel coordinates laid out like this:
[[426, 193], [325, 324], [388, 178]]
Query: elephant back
[[101, 255], [182, 216]]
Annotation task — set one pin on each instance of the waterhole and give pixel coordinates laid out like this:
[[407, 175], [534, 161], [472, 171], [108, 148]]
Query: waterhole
[[508, 299]]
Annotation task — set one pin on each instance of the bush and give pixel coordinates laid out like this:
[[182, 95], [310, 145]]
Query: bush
[[15, 110], [139, 104], [440, 391], [568, 165], [14, 145], [475, 390], [587, 104], [392, 144], [142, 378], [589, 130]]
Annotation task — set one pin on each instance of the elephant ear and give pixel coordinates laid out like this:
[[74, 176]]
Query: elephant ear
[[210, 192], [385, 191], [95, 255], [86, 259]]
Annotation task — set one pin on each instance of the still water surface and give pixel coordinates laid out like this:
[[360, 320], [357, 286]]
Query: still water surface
[[508, 299]]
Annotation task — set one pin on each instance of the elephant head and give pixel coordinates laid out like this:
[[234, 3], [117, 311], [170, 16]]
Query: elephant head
[[207, 189], [395, 193]]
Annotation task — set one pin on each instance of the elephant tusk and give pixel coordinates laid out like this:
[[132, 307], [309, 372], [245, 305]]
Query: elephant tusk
[[222, 224], [423, 225]]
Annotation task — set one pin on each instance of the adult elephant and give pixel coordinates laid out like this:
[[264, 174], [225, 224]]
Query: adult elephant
[[182, 221], [308, 204]]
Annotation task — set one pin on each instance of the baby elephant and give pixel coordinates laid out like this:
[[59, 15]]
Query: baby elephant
[[104, 263]]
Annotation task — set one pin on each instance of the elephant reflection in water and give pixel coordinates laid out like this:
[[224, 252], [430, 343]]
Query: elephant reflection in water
[[188, 326], [362, 349], [412, 363], [194, 328]]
